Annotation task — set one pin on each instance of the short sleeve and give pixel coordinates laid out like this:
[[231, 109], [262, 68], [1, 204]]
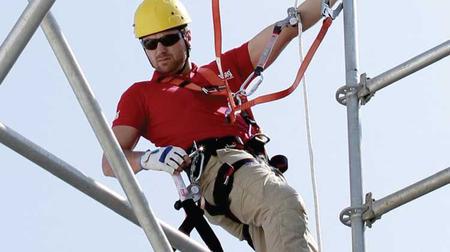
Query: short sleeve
[[131, 109], [238, 59]]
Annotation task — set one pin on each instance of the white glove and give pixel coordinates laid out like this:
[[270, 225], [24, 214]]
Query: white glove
[[163, 159]]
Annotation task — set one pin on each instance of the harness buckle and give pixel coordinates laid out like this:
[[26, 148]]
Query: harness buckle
[[212, 89], [205, 90], [262, 138]]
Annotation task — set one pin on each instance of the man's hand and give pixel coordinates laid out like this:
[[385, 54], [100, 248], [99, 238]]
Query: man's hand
[[170, 159]]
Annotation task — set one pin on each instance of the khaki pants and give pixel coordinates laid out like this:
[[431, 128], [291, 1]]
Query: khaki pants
[[273, 210]]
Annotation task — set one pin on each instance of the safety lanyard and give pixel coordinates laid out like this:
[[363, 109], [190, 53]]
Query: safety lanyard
[[218, 53], [242, 103], [291, 20], [301, 71]]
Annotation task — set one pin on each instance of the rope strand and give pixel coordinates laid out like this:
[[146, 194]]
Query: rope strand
[[309, 140]]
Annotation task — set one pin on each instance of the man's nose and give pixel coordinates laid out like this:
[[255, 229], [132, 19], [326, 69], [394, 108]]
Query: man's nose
[[160, 47]]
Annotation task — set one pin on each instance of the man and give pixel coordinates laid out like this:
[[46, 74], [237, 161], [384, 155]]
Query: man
[[171, 111]]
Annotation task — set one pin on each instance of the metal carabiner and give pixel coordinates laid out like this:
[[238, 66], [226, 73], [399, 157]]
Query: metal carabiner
[[247, 83], [327, 11], [259, 79], [244, 85], [195, 155], [292, 19]]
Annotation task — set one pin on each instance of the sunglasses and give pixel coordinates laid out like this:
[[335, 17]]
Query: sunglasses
[[166, 40]]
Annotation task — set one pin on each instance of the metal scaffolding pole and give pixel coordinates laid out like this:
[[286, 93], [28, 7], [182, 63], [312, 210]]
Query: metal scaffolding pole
[[405, 69], [392, 201], [21, 33], [87, 185], [354, 130], [113, 152]]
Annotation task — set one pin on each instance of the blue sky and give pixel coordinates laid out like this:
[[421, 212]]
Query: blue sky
[[405, 127]]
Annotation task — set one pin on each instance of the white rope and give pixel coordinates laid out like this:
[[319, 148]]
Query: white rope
[[309, 139]]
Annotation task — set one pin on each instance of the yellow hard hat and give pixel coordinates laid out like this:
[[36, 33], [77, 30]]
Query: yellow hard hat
[[154, 16]]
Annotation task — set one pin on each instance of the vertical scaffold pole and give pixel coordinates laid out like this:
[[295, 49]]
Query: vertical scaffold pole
[[21, 33], [103, 132], [354, 130]]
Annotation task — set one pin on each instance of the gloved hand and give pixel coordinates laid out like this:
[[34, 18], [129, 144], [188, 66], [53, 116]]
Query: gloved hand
[[166, 159]]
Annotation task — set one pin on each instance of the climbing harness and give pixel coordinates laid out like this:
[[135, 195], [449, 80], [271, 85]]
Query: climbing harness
[[256, 76], [215, 86], [222, 190], [223, 184], [238, 103]]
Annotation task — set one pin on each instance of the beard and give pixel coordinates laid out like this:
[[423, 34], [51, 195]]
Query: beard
[[168, 64]]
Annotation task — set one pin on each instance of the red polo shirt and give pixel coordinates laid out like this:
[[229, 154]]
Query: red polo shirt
[[167, 114]]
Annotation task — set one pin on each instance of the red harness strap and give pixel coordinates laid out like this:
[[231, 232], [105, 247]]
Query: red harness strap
[[214, 87], [301, 71], [217, 27], [218, 52], [220, 86], [269, 97]]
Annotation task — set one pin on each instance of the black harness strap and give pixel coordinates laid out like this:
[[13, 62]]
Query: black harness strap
[[222, 189], [224, 182], [225, 176], [247, 237], [194, 219]]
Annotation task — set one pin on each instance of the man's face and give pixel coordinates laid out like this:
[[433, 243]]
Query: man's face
[[169, 55]]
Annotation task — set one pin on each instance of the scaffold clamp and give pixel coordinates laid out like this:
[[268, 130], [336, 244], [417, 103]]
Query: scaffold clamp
[[343, 92], [363, 80], [369, 216], [346, 215], [365, 211]]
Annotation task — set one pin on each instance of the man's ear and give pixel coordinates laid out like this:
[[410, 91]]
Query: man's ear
[[187, 36]]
